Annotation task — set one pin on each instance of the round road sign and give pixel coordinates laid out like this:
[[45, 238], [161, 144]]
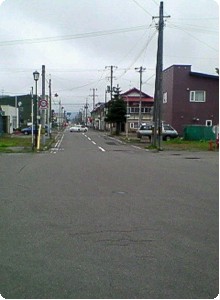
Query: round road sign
[[43, 104]]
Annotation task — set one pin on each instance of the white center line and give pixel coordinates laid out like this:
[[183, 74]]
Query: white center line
[[102, 149], [94, 142]]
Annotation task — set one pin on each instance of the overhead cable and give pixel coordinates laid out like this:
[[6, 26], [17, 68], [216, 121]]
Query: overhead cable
[[72, 37]]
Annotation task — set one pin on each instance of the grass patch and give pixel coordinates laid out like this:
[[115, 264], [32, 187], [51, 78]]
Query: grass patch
[[173, 144], [15, 144], [180, 144], [12, 141]]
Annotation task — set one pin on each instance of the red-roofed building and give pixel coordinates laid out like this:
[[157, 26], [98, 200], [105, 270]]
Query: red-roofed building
[[133, 97]]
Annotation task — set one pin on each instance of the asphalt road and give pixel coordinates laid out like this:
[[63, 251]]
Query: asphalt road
[[96, 218]]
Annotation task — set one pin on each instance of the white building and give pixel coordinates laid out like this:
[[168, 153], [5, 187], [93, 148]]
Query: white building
[[10, 118]]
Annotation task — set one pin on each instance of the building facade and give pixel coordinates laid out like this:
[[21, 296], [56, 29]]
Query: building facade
[[23, 104], [9, 118], [189, 98], [98, 115], [135, 99]]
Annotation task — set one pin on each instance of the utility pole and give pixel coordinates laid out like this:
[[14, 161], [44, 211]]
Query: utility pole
[[32, 117], [158, 94], [49, 109], [111, 78], [59, 115], [93, 96], [86, 114], [140, 70], [43, 111]]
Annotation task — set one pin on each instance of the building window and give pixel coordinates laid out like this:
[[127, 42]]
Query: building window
[[134, 125], [197, 96], [165, 97], [146, 110], [208, 123], [134, 110]]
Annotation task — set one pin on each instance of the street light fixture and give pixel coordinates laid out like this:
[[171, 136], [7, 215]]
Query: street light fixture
[[36, 75]]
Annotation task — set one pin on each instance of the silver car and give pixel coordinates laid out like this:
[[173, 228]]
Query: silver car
[[168, 132]]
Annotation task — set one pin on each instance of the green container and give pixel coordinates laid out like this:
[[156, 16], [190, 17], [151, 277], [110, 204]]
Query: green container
[[198, 132]]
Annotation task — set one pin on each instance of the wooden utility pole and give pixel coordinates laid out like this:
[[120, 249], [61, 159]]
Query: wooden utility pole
[[86, 109], [93, 97], [43, 111], [111, 78], [50, 110], [140, 70], [158, 93]]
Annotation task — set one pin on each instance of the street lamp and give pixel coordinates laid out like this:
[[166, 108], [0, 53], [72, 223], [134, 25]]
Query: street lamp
[[36, 77]]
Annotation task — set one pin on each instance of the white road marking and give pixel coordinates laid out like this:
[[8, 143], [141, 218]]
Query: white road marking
[[103, 150], [57, 145], [136, 147], [94, 142]]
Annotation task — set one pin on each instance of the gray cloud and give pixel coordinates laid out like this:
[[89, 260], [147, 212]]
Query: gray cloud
[[86, 42]]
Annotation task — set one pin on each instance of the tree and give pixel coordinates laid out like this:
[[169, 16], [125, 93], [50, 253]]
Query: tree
[[116, 111]]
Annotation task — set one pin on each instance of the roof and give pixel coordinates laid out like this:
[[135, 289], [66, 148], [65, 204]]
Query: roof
[[197, 74], [178, 66], [98, 106], [134, 92], [204, 75]]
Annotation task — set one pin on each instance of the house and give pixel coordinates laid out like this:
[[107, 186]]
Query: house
[[1, 120], [98, 116], [189, 97], [133, 97], [23, 103], [9, 118]]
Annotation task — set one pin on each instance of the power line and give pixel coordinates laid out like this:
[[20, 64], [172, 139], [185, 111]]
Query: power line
[[177, 27], [142, 7], [157, 4], [191, 27], [139, 54], [71, 37]]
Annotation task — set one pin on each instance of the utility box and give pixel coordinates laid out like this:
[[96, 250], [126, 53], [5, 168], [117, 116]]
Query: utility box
[[199, 132]]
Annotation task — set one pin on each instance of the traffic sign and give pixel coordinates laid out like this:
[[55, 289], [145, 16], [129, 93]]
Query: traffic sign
[[43, 104]]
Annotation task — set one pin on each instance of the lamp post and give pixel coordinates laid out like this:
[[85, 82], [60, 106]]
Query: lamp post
[[36, 77]]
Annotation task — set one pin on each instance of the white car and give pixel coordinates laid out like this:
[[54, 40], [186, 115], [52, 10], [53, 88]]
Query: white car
[[78, 128]]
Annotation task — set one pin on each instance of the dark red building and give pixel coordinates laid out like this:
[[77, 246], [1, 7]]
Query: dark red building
[[189, 97]]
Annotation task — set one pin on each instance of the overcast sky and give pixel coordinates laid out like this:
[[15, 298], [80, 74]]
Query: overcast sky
[[77, 39]]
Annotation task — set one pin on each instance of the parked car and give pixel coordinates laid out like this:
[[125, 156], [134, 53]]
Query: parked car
[[78, 128], [28, 130], [168, 132]]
